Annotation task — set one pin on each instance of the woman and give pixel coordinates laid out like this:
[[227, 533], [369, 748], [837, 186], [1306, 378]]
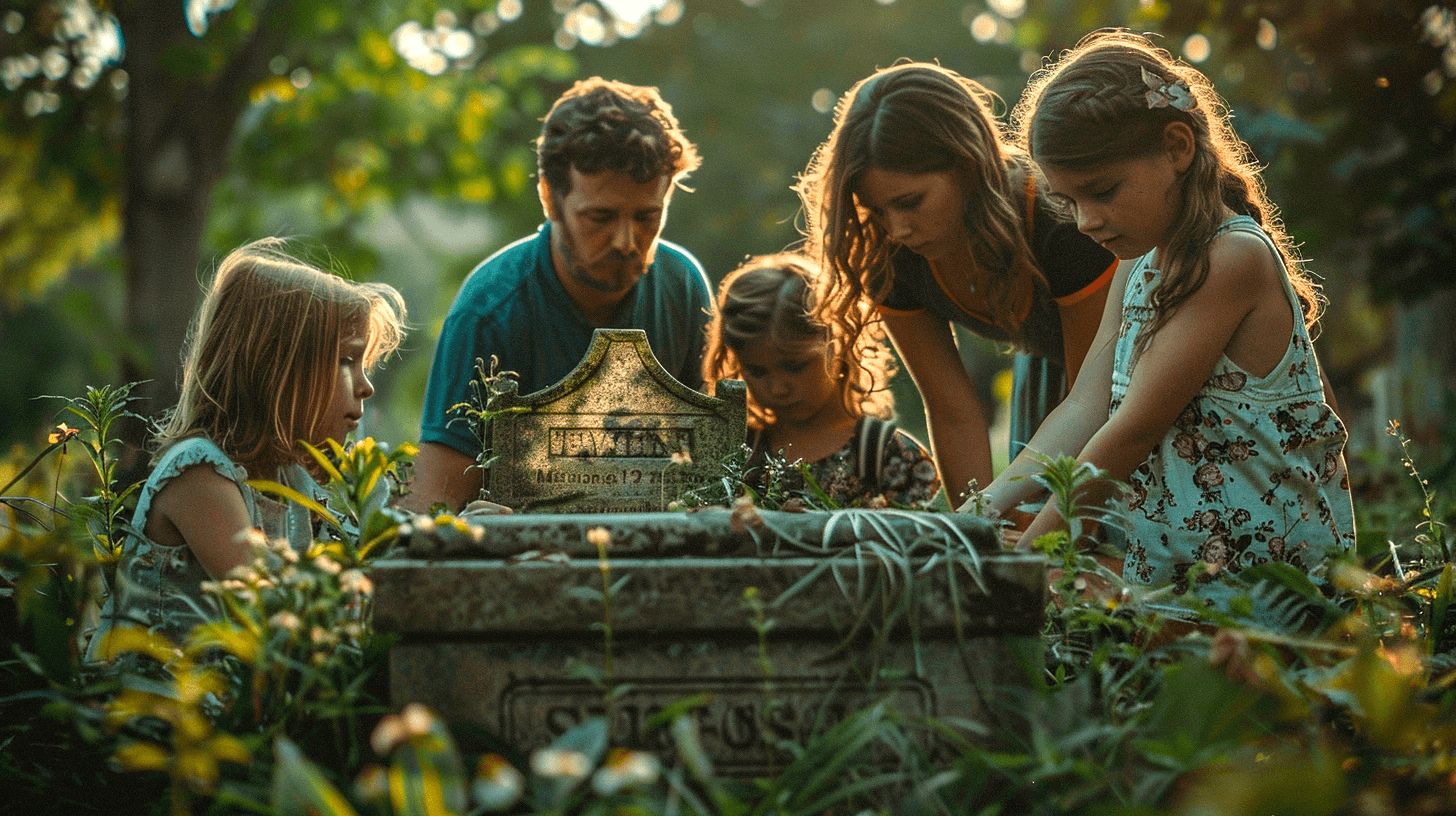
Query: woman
[[917, 204]]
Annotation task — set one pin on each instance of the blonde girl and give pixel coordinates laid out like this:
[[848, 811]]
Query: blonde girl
[[1202, 391], [813, 396], [278, 352], [917, 205]]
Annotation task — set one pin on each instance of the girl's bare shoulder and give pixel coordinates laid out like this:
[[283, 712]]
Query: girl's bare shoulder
[[1243, 256], [1242, 267]]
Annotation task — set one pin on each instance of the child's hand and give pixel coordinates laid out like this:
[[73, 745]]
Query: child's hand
[[481, 507], [1014, 522]]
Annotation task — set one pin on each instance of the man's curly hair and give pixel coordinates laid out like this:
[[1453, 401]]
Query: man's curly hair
[[602, 124]]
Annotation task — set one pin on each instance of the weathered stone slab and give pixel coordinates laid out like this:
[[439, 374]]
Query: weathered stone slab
[[705, 531], [500, 642], [617, 434]]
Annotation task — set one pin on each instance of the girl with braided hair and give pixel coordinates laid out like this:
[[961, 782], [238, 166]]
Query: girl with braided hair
[[917, 205], [1202, 391]]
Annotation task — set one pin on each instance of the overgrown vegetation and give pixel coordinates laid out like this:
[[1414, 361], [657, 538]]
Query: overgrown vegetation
[[1325, 696]]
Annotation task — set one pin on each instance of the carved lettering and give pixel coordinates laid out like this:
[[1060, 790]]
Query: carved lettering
[[738, 725], [619, 443]]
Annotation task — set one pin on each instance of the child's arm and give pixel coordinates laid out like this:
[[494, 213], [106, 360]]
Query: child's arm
[[442, 474], [205, 510], [1179, 359], [954, 419], [1068, 427]]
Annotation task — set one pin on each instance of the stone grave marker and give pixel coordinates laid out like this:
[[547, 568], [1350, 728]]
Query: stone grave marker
[[617, 434], [496, 622]]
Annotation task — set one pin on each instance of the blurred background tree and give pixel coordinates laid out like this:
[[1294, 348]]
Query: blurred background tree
[[141, 141]]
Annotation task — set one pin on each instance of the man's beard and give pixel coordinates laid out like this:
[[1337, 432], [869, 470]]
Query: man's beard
[[582, 275]]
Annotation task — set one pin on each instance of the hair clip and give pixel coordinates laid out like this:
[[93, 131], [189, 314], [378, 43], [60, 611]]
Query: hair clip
[[1163, 93]]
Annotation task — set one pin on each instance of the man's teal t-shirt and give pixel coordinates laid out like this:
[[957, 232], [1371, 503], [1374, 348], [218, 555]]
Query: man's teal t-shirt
[[514, 307]]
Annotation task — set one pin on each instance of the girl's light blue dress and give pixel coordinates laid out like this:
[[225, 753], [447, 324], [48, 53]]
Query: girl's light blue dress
[[1252, 471], [160, 588]]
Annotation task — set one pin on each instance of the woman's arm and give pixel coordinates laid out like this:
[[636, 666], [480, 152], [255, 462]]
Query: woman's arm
[[1068, 427], [954, 419], [205, 510], [1080, 323]]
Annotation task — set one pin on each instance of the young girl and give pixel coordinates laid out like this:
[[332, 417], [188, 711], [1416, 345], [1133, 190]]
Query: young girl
[[916, 204], [1202, 391], [812, 396], [278, 353]]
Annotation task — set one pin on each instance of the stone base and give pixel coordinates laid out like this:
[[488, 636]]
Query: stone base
[[506, 645]]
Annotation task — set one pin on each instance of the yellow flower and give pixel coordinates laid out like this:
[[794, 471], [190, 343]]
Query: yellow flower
[[63, 433]]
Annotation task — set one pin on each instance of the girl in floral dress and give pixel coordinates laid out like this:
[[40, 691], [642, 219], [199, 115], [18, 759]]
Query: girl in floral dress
[[812, 396], [1202, 391]]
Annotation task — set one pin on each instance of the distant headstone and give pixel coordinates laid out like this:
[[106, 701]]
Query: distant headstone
[[617, 434]]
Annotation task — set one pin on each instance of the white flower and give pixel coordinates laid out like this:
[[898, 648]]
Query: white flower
[[285, 620], [625, 769], [396, 729], [497, 784], [560, 762], [356, 581], [328, 565], [417, 719]]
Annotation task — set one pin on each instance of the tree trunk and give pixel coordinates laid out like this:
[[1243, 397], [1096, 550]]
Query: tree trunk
[[179, 127]]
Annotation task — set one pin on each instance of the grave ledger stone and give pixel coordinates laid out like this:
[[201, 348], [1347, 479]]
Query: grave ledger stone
[[617, 434], [496, 620]]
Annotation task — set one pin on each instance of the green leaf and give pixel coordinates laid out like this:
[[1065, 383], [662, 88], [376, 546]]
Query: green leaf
[[286, 492], [299, 788], [323, 461], [1436, 612]]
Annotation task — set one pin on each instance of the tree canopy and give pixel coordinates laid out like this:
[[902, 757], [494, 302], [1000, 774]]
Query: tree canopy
[[143, 140]]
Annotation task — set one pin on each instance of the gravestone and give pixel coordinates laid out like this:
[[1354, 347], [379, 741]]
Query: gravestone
[[617, 434], [502, 620], [498, 626]]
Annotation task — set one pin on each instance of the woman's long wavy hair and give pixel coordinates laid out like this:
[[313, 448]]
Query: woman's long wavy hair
[[916, 117], [262, 355], [771, 298], [1091, 108]]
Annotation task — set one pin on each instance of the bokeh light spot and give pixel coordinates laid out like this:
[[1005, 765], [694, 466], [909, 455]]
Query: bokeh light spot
[[1197, 48]]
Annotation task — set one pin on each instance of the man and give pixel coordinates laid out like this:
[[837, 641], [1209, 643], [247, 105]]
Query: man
[[608, 158]]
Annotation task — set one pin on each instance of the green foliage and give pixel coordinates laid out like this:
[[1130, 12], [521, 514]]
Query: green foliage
[[1306, 696], [362, 481], [99, 411]]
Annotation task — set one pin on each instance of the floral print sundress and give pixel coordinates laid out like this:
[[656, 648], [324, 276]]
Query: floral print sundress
[[1252, 471], [903, 474]]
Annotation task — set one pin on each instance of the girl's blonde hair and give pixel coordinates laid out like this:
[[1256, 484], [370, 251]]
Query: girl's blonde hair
[[262, 354], [1093, 107], [917, 117], [771, 298]]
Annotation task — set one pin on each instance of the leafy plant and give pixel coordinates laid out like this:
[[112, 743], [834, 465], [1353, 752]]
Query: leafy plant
[[362, 481], [99, 410], [486, 391]]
